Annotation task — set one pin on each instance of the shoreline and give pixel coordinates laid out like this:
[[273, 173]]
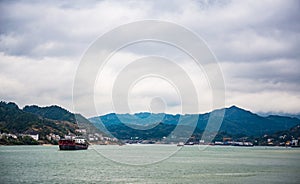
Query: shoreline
[[219, 146]]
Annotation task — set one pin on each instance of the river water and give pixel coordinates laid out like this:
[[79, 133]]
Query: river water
[[149, 164]]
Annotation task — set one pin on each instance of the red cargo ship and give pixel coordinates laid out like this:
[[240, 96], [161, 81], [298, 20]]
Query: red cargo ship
[[73, 144]]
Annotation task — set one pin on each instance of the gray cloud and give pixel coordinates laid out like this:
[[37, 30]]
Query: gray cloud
[[256, 42]]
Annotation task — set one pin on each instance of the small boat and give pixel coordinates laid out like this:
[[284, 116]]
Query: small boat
[[180, 144], [78, 143], [189, 143], [244, 144]]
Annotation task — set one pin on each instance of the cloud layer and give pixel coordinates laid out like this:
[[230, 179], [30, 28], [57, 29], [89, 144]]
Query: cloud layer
[[255, 42]]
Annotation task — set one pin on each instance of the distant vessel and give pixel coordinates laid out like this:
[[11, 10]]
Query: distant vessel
[[233, 143], [245, 144], [78, 143], [180, 144]]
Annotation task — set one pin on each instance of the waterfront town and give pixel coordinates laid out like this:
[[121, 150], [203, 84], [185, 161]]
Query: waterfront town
[[53, 138], [277, 139]]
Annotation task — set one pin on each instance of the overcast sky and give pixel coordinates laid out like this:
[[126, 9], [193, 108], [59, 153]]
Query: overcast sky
[[255, 42]]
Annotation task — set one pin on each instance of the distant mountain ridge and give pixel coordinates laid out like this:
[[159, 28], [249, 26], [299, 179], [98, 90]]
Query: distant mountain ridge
[[296, 115], [56, 120], [236, 121]]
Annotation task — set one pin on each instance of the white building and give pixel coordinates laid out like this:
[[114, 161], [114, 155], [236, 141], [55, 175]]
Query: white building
[[295, 142], [35, 137]]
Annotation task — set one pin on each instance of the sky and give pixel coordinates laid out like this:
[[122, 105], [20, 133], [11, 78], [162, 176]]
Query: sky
[[256, 44]]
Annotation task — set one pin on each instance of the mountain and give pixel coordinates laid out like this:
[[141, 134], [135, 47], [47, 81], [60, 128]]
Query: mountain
[[236, 121], [53, 112], [240, 121], [16, 121], [46, 122], [289, 137], [280, 114], [283, 120], [57, 113]]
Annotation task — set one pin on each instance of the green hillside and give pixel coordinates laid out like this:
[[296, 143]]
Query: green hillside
[[236, 122], [53, 112], [13, 120], [50, 123]]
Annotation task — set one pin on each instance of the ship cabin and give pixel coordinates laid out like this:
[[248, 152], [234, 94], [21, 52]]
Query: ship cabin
[[79, 140]]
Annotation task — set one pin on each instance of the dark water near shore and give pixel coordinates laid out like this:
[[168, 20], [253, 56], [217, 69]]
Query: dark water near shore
[[45, 164]]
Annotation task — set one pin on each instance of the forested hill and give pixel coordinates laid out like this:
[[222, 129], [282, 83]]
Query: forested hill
[[51, 112], [50, 123], [14, 120], [236, 121]]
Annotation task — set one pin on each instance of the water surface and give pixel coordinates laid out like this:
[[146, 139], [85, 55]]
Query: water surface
[[46, 164]]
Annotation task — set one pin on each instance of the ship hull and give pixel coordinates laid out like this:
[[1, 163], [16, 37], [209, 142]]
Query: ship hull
[[72, 145]]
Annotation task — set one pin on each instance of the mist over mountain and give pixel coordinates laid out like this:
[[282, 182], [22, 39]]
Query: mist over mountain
[[296, 115]]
